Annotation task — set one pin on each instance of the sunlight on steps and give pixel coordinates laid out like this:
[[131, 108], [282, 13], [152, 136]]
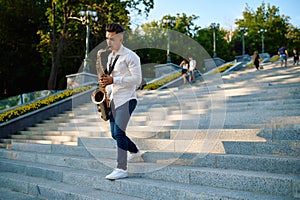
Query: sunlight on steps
[[254, 155]]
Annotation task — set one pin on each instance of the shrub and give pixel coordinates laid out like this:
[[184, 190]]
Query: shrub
[[161, 82], [275, 58], [222, 68], [21, 110]]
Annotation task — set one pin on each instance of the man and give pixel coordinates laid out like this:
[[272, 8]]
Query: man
[[192, 67], [283, 53], [126, 76]]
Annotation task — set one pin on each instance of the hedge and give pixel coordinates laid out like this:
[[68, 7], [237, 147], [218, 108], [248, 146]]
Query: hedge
[[161, 82], [14, 113]]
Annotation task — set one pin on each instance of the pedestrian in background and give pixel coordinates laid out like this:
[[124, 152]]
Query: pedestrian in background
[[296, 57], [184, 70], [283, 53], [192, 67], [256, 59]]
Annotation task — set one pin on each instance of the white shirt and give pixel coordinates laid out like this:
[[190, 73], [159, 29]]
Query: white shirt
[[192, 65], [127, 76], [185, 66]]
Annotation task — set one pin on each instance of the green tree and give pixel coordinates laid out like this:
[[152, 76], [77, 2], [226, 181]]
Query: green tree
[[19, 60], [265, 17], [67, 32], [155, 34], [205, 38], [293, 38]]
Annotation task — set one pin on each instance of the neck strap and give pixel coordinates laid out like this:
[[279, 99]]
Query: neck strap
[[111, 65]]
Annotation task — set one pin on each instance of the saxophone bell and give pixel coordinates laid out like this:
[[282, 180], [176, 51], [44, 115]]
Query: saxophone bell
[[98, 96], [99, 99]]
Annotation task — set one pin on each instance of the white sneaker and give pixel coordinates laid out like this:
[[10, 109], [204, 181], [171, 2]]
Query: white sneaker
[[117, 174], [135, 157]]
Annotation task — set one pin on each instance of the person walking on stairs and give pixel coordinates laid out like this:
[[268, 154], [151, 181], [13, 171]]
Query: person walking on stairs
[[184, 70], [295, 57], [192, 67], [256, 59], [283, 53], [125, 77]]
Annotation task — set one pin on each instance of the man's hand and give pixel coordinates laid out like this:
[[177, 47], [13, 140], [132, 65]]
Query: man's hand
[[105, 80]]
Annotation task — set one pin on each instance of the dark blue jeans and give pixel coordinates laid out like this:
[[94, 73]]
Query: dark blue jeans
[[119, 118]]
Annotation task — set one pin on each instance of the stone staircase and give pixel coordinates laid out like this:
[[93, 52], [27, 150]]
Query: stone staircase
[[230, 137]]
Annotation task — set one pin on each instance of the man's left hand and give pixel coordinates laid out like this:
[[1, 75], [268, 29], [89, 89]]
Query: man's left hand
[[105, 80]]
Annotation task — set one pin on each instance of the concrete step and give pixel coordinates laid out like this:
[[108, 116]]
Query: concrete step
[[73, 121], [224, 179], [263, 148], [152, 189], [209, 146], [81, 151], [53, 138], [271, 73], [271, 164], [256, 158], [248, 115], [57, 134], [235, 141], [255, 134], [250, 135], [241, 118], [49, 132], [8, 194], [62, 124], [256, 85], [43, 141], [234, 91], [83, 129], [49, 189], [232, 96], [267, 163], [68, 130]]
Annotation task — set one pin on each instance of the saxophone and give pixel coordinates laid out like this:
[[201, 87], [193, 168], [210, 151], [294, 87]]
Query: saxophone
[[99, 96]]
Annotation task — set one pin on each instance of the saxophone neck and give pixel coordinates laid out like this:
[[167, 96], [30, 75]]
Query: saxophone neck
[[99, 67]]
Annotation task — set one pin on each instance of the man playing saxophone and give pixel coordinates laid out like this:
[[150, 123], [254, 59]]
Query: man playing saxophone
[[125, 77]]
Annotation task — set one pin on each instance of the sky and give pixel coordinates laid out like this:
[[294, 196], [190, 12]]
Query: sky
[[224, 12]]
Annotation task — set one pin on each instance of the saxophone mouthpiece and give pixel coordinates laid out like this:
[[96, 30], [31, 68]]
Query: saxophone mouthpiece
[[103, 50]]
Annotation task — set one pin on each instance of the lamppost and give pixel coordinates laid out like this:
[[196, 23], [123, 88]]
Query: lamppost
[[215, 27], [169, 23], [262, 31], [243, 30], [86, 17]]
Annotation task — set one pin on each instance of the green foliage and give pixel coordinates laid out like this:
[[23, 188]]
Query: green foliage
[[19, 60], [21, 110], [154, 34], [267, 17], [161, 82], [27, 29], [205, 38]]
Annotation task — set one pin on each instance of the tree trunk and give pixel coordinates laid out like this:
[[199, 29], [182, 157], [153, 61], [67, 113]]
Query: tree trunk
[[54, 67], [57, 51]]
